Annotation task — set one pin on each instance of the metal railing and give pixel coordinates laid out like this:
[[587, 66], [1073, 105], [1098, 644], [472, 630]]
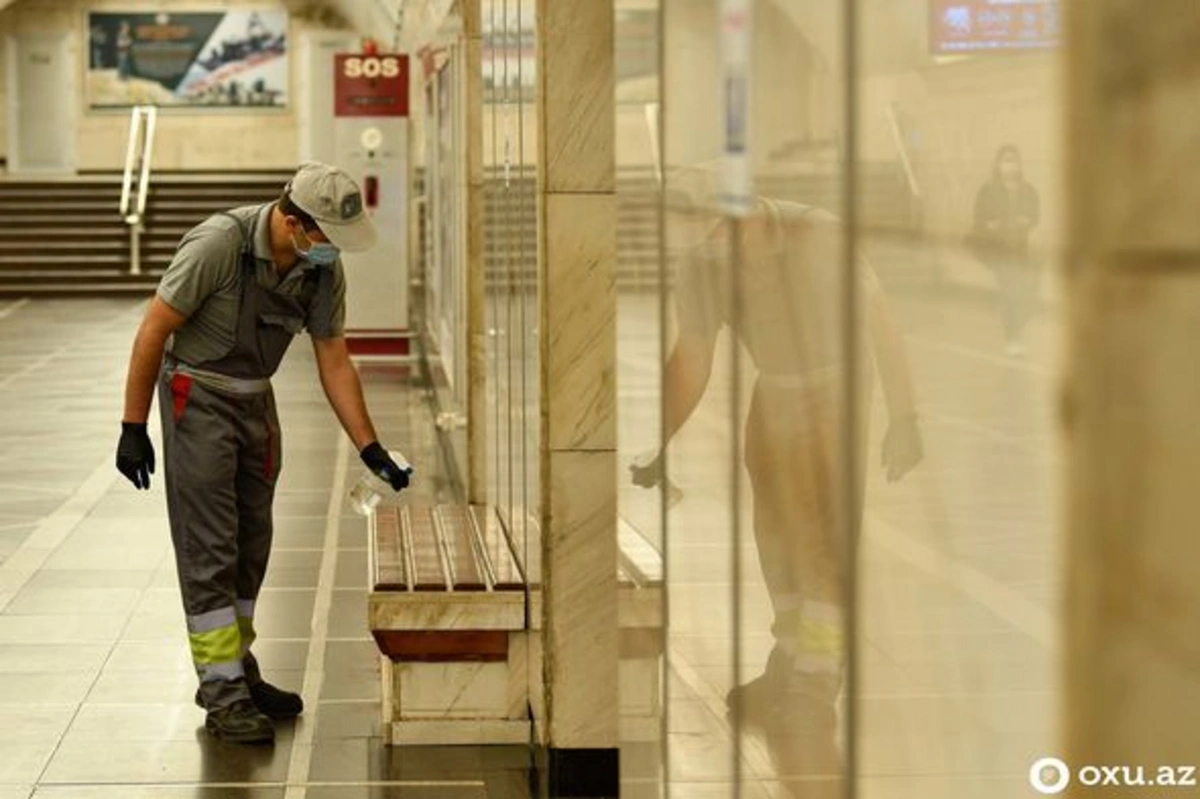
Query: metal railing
[[137, 167]]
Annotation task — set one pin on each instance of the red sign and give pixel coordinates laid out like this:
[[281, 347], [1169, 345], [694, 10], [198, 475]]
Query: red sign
[[971, 26], [370, 85]]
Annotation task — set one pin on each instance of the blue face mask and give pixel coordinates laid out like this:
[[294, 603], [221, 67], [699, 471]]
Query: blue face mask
[[321, 253]]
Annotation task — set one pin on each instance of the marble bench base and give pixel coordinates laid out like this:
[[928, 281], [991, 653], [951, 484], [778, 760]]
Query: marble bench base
[[444, 702]]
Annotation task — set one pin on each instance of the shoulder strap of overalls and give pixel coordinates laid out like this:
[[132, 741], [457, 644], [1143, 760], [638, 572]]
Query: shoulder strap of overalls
[[313, 281], [247, 245]]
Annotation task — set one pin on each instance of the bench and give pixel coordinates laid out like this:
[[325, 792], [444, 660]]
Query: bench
[[447, 611], [640, 619]]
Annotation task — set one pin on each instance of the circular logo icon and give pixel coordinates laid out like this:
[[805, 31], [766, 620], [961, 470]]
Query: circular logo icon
[[1049, 776]]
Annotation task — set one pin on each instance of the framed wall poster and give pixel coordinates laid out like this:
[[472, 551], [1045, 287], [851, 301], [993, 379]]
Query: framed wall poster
[[221, 59]]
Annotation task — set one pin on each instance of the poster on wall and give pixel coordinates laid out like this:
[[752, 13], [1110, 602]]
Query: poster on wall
[[222, 59], [974, 26]]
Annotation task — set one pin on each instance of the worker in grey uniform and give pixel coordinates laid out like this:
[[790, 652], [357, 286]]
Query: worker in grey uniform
[[241, 285]]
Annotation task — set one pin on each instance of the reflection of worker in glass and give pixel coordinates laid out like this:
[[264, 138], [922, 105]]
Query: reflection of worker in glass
[[790, 322], [124, 46]]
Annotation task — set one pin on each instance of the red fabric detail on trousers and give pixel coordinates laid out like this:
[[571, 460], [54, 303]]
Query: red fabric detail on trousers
[[181, 387]]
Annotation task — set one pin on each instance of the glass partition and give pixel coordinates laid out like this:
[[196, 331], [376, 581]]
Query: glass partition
[[640, 295], [855, 378]]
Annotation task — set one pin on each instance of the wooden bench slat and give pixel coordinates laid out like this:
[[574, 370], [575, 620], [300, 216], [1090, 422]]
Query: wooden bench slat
[[390, 574], [456, 523], [495, 547], [426, 554]]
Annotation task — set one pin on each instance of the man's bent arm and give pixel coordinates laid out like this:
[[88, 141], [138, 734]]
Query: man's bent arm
[[685, 379], [343, 389], [160, 322], [891, 356]]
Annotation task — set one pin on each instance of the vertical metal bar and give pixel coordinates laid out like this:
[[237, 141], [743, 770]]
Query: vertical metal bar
[[735, 483], [130, 153], [737, 199], [151, 114], [850, 498], [664, 487], [135, 248]]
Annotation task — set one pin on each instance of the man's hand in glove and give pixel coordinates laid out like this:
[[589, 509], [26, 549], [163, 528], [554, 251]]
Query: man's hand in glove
[[902, 447], [381, 464], [135, 454], [646, 471]]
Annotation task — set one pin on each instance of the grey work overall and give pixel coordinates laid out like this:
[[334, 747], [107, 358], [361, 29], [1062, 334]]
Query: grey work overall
[[222, 450]]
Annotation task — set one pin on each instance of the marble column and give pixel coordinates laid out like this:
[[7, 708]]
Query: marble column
[[476, 284], [577, 348], [1131, 400]]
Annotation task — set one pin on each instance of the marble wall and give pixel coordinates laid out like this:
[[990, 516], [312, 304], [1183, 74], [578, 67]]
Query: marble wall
[[577, 350], [1128, 406]]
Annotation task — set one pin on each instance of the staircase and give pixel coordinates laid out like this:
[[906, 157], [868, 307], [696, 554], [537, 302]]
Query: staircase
[[65, 237]]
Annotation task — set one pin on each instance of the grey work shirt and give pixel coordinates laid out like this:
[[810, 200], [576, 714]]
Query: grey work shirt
[[202, 283]]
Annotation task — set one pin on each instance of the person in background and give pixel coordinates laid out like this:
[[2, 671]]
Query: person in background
[[1007, 209], [124, 52]]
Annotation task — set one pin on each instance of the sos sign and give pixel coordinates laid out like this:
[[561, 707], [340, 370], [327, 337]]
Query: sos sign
[[370, 85]]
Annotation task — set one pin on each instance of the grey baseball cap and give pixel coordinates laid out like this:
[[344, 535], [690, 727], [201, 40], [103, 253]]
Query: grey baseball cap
[[334, 201]]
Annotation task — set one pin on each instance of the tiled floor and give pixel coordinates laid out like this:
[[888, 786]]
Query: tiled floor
[[95, 681], [957, 617]]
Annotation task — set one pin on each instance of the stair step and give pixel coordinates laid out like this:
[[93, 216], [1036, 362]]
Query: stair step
[[8, 260], [77, 289], [13, 233], [113, 275]]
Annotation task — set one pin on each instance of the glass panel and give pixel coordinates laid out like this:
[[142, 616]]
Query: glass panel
[[959, 580], [757, 390], [527, 319], [639, 394]]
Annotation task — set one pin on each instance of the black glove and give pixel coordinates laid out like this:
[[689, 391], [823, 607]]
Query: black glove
[[646, 471], [381, 464], [902, 447], [135, 454]]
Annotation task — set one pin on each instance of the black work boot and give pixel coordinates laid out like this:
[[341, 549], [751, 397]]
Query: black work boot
[[241, 723], [761, 694], [272, 702], [275, 702], [802, 737]]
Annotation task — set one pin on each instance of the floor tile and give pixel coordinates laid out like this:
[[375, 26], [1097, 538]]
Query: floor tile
[[22, 762], [68, 629], [353, 720], [450, 790], [51, 658], [156, 792], [34, 722], [87, 760], [66, 601], [52, 688], [145, 723]]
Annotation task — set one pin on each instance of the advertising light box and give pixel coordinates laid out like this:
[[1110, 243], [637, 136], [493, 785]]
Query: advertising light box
[[960, 27]]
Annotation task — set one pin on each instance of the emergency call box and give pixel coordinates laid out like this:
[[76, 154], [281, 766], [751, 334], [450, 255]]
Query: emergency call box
[[371, 102]]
